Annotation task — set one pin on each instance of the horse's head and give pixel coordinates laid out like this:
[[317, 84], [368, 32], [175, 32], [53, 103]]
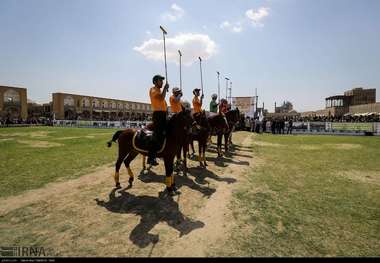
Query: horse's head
[[181, 122]]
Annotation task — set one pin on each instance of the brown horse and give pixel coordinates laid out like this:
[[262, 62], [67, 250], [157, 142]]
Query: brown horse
[[201, 134], [176, 131], [219, 126], [233, 117]]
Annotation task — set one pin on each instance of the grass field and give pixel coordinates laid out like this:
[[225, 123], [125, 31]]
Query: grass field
[[33, 156], [297, 196], [310, 196]]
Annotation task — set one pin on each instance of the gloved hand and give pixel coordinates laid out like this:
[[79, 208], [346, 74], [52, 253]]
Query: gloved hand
[[166, 87]]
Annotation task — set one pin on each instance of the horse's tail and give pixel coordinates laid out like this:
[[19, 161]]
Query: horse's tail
[[114, 138]]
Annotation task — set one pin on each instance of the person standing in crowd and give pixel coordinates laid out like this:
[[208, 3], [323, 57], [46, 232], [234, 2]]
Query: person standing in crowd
[[282, 126], [214, 104], [273, 126], [290, 126], [159, 116], [264, 125]]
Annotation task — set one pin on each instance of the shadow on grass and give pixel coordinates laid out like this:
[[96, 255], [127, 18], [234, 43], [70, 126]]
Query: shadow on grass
[[201, 174], [231, 153], [223, 161], [152, 211], [152, 177]]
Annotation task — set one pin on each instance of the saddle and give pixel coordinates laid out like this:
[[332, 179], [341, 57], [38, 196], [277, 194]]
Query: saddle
[[142, 139]]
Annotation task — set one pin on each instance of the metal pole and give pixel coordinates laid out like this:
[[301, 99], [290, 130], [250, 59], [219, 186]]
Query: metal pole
[[257, 99], [230, 93], [218, 86], [166, 67], [180, 69], [227, 79], [200, 66]]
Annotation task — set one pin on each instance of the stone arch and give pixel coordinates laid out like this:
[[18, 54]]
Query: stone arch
[[11, 96], [68, 101]]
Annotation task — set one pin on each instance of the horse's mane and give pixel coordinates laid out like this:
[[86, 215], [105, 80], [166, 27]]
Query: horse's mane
[[172, 120]]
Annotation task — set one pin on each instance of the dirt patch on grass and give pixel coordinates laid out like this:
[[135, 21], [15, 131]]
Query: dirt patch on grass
[[75, 137], [344, 146], [68, 138], [87, 216], [310, 147], [369, 177], [7, 139], [33, 134], [40, 144], [267, 144], [101, 134]]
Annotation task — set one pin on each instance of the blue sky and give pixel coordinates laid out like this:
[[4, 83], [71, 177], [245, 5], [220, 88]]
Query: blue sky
[[296, 50]]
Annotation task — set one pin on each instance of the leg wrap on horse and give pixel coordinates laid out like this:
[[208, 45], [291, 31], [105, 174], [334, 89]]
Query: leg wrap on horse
[[169, 181], [130, 173], [116, 177]]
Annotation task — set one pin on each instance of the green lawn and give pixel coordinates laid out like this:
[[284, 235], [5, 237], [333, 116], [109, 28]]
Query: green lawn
[[310, 196], [33, 156]]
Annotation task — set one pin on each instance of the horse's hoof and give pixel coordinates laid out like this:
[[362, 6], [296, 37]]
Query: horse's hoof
[[130, 181], [206, 164], [118, 185]]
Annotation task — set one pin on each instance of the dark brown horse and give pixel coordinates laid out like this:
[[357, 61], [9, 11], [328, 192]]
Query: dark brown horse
[[200, 134], [233, 117], [219, 126], [176, 131]]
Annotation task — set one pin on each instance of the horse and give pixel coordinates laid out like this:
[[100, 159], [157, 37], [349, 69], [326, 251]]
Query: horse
[[134, 141], [201, 134], [233, 117], [219, 126]]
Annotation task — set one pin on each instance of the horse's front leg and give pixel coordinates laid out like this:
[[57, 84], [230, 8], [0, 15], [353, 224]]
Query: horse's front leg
[[226, 137], [200, 157], [219, 144], [185, 151], [143, 162], [169, 177], [204, 153]]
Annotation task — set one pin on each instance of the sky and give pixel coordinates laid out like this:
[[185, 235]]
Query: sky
[[296, 50]]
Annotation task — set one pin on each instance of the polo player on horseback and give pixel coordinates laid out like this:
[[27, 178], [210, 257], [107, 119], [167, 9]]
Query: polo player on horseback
[[197, 103], [223, 106], [159, 117], [175, 100], [213, 103]]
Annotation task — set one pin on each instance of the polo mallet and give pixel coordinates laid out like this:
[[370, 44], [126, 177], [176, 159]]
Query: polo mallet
[[218, 86], [166, 67], [180, 69], [200, 67], [230, 92], [227, 79]]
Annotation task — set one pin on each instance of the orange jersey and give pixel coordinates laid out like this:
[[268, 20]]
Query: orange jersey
[[197, 105], [157, 100], [175, 106]]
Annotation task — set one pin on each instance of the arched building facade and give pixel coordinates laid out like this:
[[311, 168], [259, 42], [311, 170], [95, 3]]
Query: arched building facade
[[13, 103], [73, 106]]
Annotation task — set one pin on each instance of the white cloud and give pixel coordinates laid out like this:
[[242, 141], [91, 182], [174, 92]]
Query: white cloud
[[235, 27], [252, 16], [225, 24], [256, 17], [174, 14], [191, 45]]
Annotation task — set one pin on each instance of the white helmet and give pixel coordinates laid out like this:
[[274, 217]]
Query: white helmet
[[186, 105]]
